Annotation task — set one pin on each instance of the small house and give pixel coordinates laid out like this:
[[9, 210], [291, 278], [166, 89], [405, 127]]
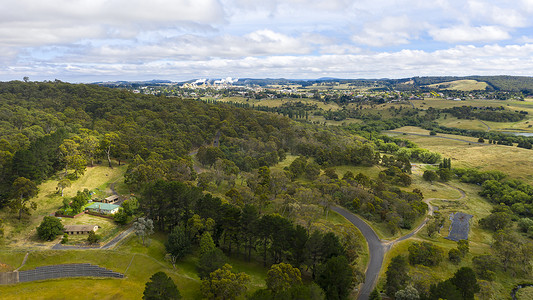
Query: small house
[[111, 199], [79, 229], [103, 208]]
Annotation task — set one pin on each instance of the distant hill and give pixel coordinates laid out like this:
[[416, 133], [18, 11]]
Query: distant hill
[[464, 83]]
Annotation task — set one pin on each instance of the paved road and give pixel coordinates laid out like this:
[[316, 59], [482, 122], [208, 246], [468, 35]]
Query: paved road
[[377, 248]]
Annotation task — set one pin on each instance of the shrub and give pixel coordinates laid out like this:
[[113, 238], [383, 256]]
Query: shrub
[[50, 228], [454, 256], [93, 238], [425, 254]]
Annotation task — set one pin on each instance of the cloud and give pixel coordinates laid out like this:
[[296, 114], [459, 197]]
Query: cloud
[[509, 17], [33, 22], [466, 34], [458, 60], [388, 31]]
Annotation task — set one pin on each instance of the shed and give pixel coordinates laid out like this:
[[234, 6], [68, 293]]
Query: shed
[[103, 208], [79, 229], [111, 199]]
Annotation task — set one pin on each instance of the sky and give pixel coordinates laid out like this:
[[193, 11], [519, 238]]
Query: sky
[[108, 40]]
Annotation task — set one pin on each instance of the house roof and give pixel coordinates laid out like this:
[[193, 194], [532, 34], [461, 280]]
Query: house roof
[[79, 227], [103, 206]]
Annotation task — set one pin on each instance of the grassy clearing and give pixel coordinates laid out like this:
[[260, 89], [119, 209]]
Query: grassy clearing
[[492, 157], [520, 126], [279, 102], [23, 233], [443, 103], [461, 85]]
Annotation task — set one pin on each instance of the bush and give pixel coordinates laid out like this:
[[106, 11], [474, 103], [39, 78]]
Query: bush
[[454, 256], [430, 175], [93, 238], [425, 254], [50, 228], [485, 266], [65, 238]]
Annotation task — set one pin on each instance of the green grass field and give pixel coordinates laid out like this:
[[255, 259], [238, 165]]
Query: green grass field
[[461, 85]]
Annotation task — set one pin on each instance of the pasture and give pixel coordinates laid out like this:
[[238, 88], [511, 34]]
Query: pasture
[[466, 154], [461, 85]]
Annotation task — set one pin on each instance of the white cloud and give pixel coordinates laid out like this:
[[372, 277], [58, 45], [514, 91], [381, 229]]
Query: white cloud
[[34, 22], [462, 34], [388, 31], [509, 17], [460, 60]]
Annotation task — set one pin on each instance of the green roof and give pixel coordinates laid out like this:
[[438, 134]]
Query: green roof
[[103, 206]]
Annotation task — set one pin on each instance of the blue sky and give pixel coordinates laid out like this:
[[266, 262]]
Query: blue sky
[[100, 40]]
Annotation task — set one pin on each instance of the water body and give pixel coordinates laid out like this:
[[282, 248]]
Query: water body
[[518, 133]]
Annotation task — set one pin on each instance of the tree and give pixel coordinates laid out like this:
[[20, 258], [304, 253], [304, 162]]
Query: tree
[[161, 287], [68, 150], [335, 277], [425, 254], [178, 244], [143, 228], [444, 290], [62, 184], [107, 145], [430, 176], [396, 275], [208, 155], [409, 293], [312, 170], [206, 243], [375, 295], [223, 284], [50, 228], [210, 261], [23, 191], [64, 240], [496, 221], [454, 255], [282, 276], [485, 266], [465, 281], [463, 247], [93, 238], [79, 200]]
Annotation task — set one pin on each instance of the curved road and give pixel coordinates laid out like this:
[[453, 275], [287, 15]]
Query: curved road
[[377, 248]]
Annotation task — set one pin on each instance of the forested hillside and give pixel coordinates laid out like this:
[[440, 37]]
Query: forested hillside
[[108, 123]]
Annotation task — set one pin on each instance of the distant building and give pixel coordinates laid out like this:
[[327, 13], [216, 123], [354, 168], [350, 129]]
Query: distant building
[[103, 208], [80, 229]]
